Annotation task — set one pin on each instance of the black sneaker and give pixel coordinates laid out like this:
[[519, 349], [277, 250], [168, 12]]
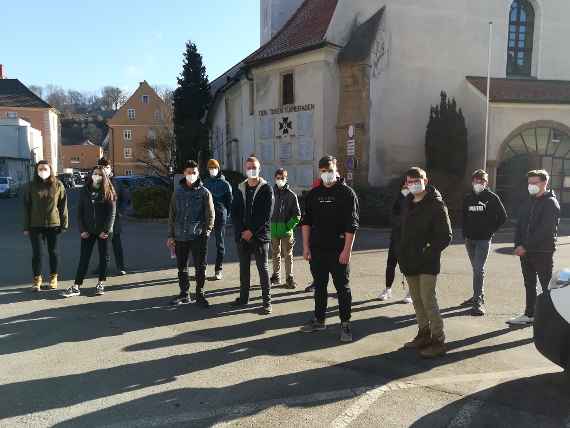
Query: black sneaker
[[267, 308], [202, 302], [237, 303], [290, 283], [180, 300], [72, 291], [275, 280], [314, 325], [310, 288], [345, 332], [478, 310]]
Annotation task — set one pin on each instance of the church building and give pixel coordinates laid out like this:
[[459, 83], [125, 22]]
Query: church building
[[357, 78]]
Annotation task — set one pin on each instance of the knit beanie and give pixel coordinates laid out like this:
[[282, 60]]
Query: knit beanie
[[213, 163]]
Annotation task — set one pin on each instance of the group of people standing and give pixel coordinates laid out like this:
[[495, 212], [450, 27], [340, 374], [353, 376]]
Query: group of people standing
[[264, 219]]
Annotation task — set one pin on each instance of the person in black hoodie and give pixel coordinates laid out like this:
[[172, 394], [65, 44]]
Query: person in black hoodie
[[483, 215], [535, 240], [426, 232], [252, 208], [96, 216], [329, 226]]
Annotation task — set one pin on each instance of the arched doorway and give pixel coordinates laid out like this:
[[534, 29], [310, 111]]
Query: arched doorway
[[535, 147]]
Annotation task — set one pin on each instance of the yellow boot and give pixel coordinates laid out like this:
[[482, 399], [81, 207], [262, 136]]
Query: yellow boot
[[38, 280], [53, 281]]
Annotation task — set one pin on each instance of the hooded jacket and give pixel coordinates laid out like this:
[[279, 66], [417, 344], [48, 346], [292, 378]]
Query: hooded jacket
[[483, 215], [221, 192], [537, 227], [94, 213], [192, 212], [426, 232], [261, 211], [286, 212], [45, 205]]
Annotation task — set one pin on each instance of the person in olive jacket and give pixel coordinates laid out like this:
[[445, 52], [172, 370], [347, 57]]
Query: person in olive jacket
[[426, 232], [96, 211], [535, 240], [45, 216]]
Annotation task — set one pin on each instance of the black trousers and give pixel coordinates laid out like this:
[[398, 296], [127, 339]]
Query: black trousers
[[535, 265], [219, 229], [85, 256], [323, 263], [50, 235], [198, 248], [260, 250], [391, 264]]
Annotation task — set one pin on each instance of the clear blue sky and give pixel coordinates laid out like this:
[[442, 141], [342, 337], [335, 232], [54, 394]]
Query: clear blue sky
[[88, 44]]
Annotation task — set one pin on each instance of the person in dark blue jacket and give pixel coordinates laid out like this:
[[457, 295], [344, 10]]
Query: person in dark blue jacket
[[251, 215], [221, 191]]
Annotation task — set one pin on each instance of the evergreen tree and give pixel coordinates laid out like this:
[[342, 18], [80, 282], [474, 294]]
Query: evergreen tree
[[446, 138], [191, 101]]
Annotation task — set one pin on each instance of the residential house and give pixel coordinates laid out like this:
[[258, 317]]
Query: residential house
[[82, 156]]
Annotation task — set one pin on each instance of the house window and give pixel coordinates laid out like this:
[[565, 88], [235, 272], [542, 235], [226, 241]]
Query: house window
[[152, 134], [127, 135], [128, 152], [157, 115], [287, 89], [521, 38], [145, 99], [74, 159], [132, 114], [11, 115], [128, 172], [251, 98]]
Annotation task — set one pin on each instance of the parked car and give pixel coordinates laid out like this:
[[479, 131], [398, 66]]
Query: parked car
[[552, 320], [67, 180], [8, 187]]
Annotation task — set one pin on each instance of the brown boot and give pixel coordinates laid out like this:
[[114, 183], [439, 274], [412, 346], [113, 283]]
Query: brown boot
[[435, 349], [37, 284], [53, 281], [422, 340]]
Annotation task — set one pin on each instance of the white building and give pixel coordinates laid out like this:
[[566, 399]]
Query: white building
[[379, 66], [20, 147]]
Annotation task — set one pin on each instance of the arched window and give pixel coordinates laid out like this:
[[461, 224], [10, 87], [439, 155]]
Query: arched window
[[521, 36]]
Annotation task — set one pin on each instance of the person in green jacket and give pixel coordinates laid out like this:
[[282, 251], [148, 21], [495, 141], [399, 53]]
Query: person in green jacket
[[45, 216], [286, 216]]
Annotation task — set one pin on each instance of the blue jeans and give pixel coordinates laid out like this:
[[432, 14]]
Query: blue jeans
[[478, 251], [219, 228]]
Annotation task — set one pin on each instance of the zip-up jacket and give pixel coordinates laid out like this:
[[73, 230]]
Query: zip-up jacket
[[260, 215], [286, 212], [426, 232], [396, 218], [331, 212], [192, 212], [483, 215], [537, 227], [95, 214], [221, 192], [45, 205]]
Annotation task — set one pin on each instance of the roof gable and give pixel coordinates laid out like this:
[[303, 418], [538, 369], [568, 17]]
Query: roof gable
[[144, 112], [362, 39], [14, 93], [305, 30], [529, 91]]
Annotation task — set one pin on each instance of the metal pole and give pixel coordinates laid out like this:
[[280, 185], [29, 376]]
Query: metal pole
[[488, 96]]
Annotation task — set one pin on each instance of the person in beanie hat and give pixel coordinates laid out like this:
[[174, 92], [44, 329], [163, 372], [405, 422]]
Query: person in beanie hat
[[221, 192]]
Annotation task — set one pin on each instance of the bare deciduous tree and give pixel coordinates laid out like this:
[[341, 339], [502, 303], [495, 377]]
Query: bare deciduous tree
[[159, 147], [113, 97]]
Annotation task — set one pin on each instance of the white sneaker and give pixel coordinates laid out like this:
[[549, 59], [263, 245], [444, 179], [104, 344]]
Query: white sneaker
[[385, 295], [100, 289], [407, 299], [72, 291], [219, 275], [521, 320]]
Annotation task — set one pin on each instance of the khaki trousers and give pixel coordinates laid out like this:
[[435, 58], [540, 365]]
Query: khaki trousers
[[424, 297], [282, 247]]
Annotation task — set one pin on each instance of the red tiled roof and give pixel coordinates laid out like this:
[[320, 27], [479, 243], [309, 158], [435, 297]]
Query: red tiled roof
[[524, 90], [305, 30]]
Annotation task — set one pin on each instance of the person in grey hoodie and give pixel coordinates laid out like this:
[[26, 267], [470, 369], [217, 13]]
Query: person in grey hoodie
[[190, 223]]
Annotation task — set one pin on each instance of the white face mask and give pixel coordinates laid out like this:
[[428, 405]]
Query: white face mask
[[533, 189], [214, 172], [478, 188], [96, 180], [417, 188], [191, 178], [328, 177], [405, 192], [44, 174], [280, 183], [252, 173]]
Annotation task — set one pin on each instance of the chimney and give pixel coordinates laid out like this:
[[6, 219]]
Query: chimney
[[2, 75]]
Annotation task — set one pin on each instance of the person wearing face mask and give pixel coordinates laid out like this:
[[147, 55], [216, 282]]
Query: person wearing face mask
[[45, 216], [96, 211], [392, 262], [535, 240], [286, 216], [329, 226], [483, 214], [251, 215], [221, 191], [190, 223], [426, 232]]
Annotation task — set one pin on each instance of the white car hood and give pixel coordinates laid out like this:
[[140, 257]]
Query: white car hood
[[561, 300]]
